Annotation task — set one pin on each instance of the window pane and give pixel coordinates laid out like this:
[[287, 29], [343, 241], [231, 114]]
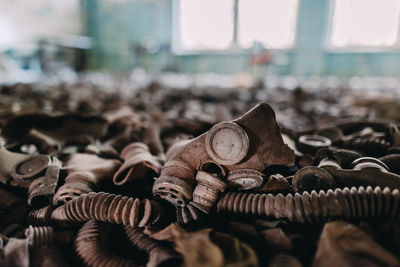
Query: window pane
[[269, 22], [206, 24], [365, 23]]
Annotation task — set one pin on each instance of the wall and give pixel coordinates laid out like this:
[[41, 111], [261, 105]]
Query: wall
[[23, 23], [124, 30]]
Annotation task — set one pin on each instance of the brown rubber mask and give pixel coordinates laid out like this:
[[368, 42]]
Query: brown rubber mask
[[245, 147], [248, 145]]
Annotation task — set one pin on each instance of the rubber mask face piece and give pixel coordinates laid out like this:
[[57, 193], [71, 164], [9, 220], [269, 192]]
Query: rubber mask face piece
[[248, 145]]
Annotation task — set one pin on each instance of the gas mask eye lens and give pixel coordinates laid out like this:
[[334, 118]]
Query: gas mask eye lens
[[227, 143]]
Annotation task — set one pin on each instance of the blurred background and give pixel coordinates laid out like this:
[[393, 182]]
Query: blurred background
[[341, 38], [257, 48]]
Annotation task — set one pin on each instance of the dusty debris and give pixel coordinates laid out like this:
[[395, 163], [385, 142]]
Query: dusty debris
[[163, 176]]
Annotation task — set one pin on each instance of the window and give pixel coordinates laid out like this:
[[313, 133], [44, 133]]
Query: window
[[206, 24], [223, 24], [271, 23], [365, 23]]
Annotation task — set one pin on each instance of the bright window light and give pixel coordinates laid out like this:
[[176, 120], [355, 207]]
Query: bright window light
[[368, 23], [269, 22], [205, 24]]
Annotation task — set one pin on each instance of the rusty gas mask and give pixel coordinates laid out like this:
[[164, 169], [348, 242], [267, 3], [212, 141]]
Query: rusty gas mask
[[237, 151], [37, 173]]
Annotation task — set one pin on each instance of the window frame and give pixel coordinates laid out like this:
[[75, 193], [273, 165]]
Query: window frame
[[233, 48], [329, 47]]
